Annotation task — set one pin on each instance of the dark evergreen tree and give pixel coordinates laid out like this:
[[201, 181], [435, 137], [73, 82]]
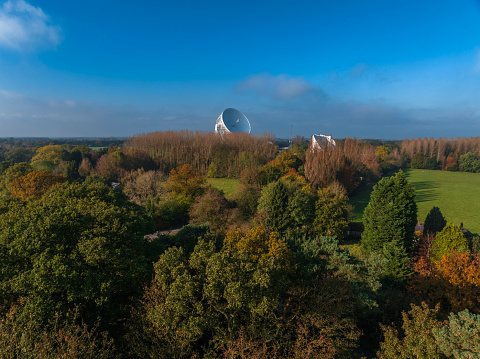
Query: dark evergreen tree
[[390, 215], [396, 267], [278, 214], [434, 222]]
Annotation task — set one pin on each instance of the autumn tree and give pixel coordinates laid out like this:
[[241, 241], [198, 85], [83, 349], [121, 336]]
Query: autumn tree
[[259, 244], [34, 184], [141, 185], [47, 157], [434, 222], [12, 173], [211, 207], [453, 281], [186, 181], [451, 164], [416, 339]]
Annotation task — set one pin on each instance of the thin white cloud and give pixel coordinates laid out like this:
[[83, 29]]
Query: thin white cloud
[[477, 62], [24, 27], [281, 87]]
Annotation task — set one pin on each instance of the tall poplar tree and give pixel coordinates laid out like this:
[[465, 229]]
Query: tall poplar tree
[[390, 215]]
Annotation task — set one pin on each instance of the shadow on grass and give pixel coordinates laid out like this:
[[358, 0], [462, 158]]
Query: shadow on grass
[[425, 191]]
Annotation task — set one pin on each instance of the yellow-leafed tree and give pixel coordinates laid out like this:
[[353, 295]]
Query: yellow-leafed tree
[[34, 184], [259, 244]]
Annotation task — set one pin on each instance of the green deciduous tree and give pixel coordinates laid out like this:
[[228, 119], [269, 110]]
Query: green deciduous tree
[[390, 214], [80, 245], [469, 162]]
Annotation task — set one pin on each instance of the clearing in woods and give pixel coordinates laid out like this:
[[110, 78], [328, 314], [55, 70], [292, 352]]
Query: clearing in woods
[[457, 194]]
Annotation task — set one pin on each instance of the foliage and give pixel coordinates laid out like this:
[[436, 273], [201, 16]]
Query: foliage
[[469, 162], [397, 268], [205, 299], [233, 304], [390, 215], [434, 222], [331, 213], [186, 181], [419, 160], [211, 207], [451, 164], [12, 173], [460, 338], [111, 165], [140, 185], [448, 239], [85, 169], [34, 184], [246, 199], [47, 157], [416, 339], [168, 211], [258, 244], [274, 202], [453, 281], [285, 161], [287, 203], [79, 245], [62, 337], [171, 149]]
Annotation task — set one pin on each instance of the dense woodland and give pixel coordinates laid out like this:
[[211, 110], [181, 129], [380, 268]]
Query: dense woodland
[[89, 268]]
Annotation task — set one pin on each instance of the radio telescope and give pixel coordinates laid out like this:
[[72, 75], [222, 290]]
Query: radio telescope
[[232, 120], [320, 142]]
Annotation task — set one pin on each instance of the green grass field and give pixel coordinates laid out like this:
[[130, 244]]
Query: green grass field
[[457, 194], [228, 185]]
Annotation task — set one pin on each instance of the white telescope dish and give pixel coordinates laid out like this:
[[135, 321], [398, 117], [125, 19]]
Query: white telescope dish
[[232, 120]]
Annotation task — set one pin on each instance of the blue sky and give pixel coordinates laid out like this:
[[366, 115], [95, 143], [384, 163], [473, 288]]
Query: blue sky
[[371, 69]]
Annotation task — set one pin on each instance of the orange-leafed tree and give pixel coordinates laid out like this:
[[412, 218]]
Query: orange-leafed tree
[[34, 184], [451, 164], [453, 281], [185, 180]]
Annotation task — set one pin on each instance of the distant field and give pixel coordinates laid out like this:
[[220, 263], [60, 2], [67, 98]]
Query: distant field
[[228, 185], [457, 194]]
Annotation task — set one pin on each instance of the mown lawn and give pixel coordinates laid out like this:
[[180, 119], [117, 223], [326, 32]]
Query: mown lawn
[[228, 185], [457, 194]]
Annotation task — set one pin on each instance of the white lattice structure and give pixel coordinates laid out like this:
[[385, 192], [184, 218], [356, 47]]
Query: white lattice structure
[[320, 142]]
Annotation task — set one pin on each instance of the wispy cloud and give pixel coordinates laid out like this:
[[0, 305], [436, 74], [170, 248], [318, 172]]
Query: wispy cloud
[[24, 27], [477, 62], [280, 87]]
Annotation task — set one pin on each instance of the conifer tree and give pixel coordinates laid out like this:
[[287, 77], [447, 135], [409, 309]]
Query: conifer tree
[[434, 222], [278, 214], [390, 215], [460, 338], [448, 239]]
